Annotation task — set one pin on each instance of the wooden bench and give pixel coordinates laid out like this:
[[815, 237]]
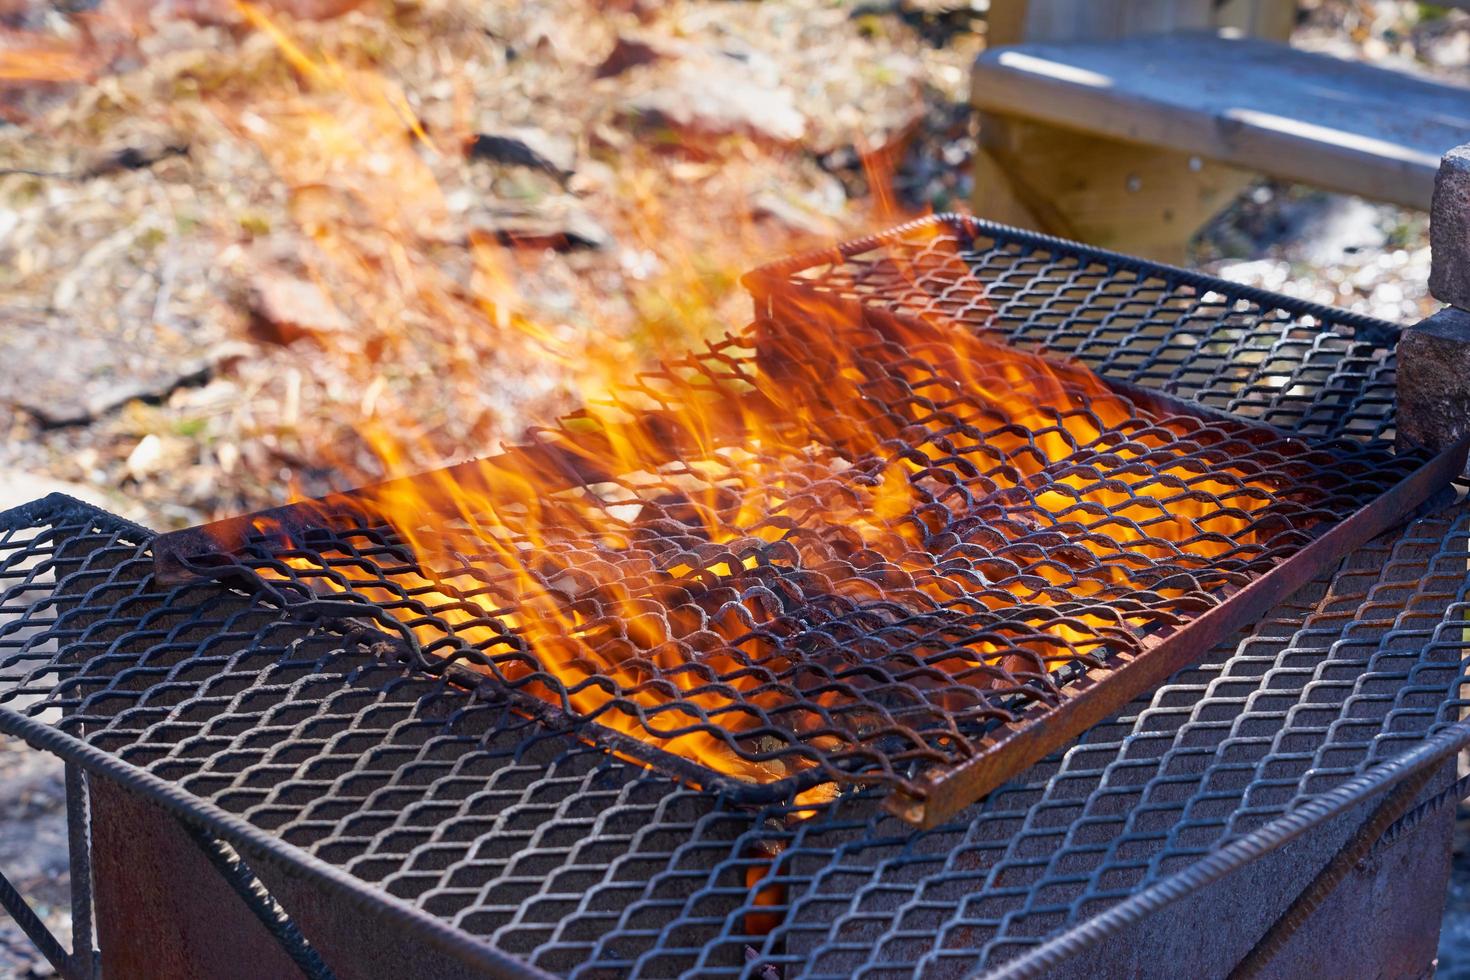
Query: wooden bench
[[1095, 126]]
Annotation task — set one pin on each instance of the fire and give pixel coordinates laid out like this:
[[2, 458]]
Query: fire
[[637, 567], [42, 65], [687, 559]]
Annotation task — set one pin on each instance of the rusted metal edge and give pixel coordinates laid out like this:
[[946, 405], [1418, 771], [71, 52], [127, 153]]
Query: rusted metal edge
[[774, 277], [1103, 692], [555, 461], [182, 556], [600, 736]]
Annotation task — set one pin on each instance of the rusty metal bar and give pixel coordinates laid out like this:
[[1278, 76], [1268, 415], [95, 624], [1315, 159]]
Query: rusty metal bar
[[83, 961], [1106, 690]]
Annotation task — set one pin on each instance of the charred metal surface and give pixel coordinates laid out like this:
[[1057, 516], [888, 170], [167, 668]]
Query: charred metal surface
[[519, 837], [1382, 920], [1064, 544], [523, 835], [862, 652]]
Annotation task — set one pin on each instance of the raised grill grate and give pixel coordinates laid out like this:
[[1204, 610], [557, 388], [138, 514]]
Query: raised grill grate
[[908, 557], [1306, 369], [525, 838]]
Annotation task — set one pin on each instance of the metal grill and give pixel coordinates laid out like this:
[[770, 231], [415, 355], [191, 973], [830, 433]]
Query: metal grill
[[775, 618], [1306, 369], [747, 608], [542, 846], [516, 843]]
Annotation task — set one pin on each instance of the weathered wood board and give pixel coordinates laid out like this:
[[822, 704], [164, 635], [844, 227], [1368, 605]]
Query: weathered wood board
[[1242, 102]]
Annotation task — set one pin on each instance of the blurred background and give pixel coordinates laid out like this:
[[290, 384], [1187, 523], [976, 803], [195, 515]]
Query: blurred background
[[238, 239]]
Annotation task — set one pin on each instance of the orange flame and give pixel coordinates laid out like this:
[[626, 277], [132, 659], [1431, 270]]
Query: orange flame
[[631, 565], [626, 553], [45, 64]]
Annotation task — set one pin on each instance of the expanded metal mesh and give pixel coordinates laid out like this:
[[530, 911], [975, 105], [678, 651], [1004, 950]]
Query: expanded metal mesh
[[524, 835], [859, 583], [588, 865], [1303, 368]]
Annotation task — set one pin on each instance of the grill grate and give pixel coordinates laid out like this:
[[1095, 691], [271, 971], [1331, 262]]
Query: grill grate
[[1303, 368], [526, 838], [586, 865], [907, 557]]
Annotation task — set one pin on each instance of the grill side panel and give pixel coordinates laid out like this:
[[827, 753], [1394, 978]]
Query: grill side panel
[[162, 910], [1381, 921]]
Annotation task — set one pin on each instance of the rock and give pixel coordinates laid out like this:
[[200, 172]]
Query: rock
[[717, 99], [146, 457], [527, 147], [136, 155], [1449, 230], [62, 376], [559, 223], [1434, 381], [630, 52], [284, 308], [1331, 227]]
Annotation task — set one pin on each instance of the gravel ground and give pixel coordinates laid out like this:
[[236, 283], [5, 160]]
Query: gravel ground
[[33, 852], [1454, 933]]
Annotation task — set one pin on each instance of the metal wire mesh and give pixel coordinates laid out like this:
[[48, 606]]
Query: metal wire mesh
[[524, 835], [1303, 368], [588, 865], [918, 547]]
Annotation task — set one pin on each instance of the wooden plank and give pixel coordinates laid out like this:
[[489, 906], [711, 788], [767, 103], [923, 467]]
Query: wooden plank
[[1248, 103], [1269, 19], [1016, 21], [1133, 199], [1005, 22], [1020, 21]]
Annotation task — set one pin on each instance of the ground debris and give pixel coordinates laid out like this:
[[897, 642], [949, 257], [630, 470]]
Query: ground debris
[[64, 380], [560, 224], [630, 52], [287, 308], [391, 211], [714, 100], [527, 147]]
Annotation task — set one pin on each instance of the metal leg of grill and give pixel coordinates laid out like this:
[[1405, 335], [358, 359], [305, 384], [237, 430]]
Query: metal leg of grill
[[20, 910], [164, 909], [233, 869], [84, 962], [81, 962]]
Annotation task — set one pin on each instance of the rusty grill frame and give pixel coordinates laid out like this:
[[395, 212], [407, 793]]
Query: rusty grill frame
[[1014, 730], [239, 724]]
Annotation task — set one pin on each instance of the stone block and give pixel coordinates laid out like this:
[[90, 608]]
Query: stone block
[[1434, 381], [1449, 230]]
